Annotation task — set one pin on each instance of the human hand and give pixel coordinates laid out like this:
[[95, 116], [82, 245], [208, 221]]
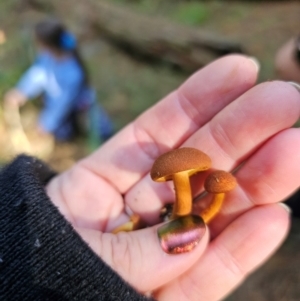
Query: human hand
[[219, 112], [14, 98]]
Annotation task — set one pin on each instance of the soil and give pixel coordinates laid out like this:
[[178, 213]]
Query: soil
[[278, 279]]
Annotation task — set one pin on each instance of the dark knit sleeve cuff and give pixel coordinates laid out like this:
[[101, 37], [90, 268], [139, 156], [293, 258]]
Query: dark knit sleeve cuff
[[41, 256]]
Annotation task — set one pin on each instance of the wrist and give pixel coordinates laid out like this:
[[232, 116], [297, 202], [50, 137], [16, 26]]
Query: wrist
[[14, 98]]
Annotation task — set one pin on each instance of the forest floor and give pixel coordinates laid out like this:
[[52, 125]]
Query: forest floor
[[125, 86]]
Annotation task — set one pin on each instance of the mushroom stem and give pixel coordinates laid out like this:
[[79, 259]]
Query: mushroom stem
[[183, 202], [127, 227], [134, 224], [209, 213]]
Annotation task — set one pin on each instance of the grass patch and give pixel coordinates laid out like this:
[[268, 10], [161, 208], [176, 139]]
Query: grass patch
[[191, 13]]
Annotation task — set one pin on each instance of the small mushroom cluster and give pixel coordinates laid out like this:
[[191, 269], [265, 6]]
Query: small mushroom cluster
[[178, 166]]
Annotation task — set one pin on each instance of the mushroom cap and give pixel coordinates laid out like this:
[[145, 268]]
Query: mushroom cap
[[183, 159], [219, 182]]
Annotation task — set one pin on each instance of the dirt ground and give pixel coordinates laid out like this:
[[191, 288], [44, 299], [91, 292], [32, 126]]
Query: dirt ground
[[262, 28], [278, 279]]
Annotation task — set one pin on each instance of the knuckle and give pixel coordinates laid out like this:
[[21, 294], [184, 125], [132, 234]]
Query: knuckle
[[121, 254], [231, 263]]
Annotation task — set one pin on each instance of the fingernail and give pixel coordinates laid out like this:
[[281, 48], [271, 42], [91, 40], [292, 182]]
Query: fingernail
[[182, 234], [255, 62], [295, 85], [285, 207]]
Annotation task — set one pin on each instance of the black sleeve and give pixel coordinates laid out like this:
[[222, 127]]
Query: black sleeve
[[41, 257]]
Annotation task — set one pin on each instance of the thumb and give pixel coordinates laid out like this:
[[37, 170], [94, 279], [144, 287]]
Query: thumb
[[138, 256]]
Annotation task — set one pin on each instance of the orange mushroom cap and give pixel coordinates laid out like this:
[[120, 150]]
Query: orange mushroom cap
[[186, 159], [219, 182]]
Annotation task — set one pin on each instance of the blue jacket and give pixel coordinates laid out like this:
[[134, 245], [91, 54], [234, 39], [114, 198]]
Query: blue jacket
[[61, 83]]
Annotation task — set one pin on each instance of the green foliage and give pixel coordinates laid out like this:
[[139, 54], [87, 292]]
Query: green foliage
[[191, 13], [15, 56], [185, 12], [16, 53]]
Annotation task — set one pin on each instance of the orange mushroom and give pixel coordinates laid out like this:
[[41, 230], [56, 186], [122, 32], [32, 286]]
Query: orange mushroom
[[178, 165], [134, 224], [218, 183]]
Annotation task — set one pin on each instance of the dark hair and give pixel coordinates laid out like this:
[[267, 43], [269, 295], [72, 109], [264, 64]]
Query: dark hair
[[297, 53], [53, 34]]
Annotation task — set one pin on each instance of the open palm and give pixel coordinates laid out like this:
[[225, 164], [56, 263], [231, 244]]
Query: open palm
[[222, 113]]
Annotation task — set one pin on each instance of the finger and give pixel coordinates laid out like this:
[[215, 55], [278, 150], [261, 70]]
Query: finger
[[171, 121], [229, 138], [269, 176], [240, 248], [138, 255], [79, 203]]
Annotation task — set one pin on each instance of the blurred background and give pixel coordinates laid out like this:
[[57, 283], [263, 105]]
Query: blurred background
[[136, 52]]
